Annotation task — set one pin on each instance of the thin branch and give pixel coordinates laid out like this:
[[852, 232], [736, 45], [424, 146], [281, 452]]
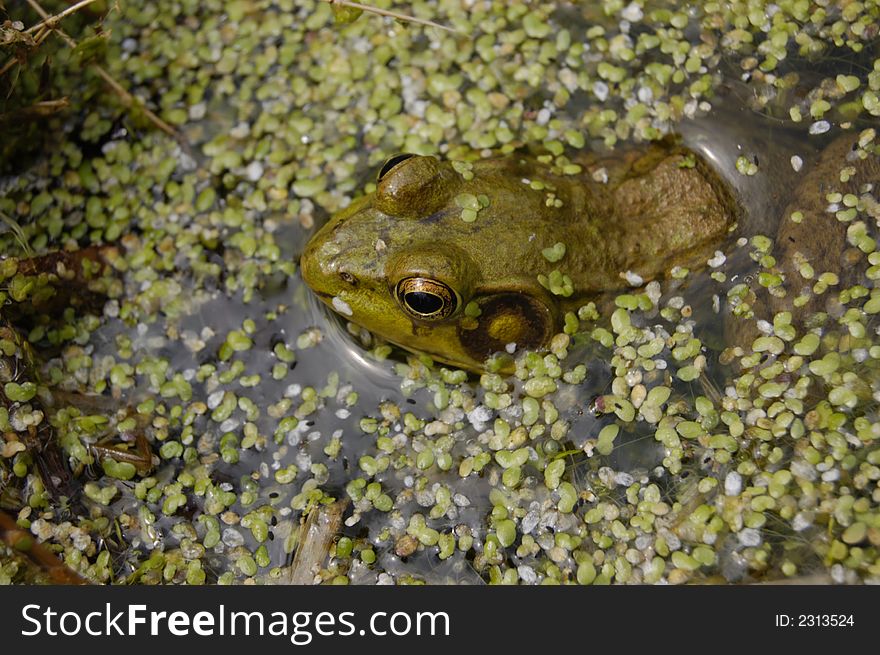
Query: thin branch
[[19, 539], [39, 108], [45, 16], [51, 20], [12, 61], [315, 538], [130, 100], [392, 14]]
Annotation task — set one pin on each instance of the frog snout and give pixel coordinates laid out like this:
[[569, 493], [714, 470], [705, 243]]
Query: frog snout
[[315, 269]]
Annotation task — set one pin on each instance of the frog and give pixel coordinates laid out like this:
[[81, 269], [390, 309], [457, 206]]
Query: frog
[[463, 261]]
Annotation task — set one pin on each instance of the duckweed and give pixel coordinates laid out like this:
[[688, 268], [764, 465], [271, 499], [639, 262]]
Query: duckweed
[[252, 432]]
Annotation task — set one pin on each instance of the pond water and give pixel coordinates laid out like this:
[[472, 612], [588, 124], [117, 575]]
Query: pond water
[[640, 450]]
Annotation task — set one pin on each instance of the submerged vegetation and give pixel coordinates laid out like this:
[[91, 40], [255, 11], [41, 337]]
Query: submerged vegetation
[[638, 449]]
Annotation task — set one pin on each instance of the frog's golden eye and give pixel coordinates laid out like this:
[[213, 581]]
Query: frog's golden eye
[[391, 162], [426, 299]]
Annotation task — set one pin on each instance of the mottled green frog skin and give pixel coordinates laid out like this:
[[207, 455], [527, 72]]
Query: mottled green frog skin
[[818, 238], [643, 210]]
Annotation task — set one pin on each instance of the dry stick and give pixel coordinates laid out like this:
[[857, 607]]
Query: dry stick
[[315, 537], [40, 108], [127, 99], [19, 539], [391, 14], [9, 64], [12, 61], [57, 17], [42, 33]]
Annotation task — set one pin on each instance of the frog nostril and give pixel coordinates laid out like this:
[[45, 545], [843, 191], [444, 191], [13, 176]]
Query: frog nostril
[[348, 277]]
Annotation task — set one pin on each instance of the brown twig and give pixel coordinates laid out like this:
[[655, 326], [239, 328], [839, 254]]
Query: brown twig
[[392, 14], [41, 108], [315, 537], [43, 29], [52, 20], [20, 540], [12, 61]]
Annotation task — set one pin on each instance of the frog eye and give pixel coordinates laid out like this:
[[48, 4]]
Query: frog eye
[[391, 162], [426, 299]]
